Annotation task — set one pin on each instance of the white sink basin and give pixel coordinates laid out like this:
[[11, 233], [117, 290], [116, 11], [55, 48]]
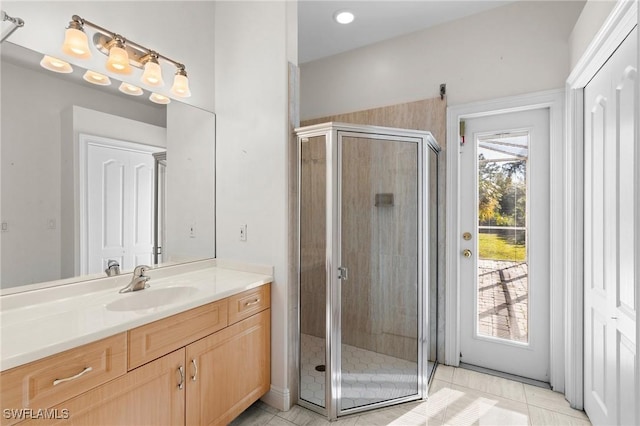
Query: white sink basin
[[151, 298]]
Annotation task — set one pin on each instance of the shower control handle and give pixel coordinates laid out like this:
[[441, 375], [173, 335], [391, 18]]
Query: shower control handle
[[343, 273]]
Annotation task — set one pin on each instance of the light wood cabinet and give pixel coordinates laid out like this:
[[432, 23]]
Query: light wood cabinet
[[149, 395], [228, 371], [46, 382], [153, 340], [191, 367]]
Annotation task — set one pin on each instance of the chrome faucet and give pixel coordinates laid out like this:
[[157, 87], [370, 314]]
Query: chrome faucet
[[113, 268], [139, 280]]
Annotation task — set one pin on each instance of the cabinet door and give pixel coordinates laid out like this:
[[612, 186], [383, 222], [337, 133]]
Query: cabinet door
[[228, 371], [149, 395]]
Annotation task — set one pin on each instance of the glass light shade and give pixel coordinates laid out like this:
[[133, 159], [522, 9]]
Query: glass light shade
[[181, 86], [152, 75], [118, 61], [159, 99], [130, 89], [96, 78], [76, 43], [55, 65]]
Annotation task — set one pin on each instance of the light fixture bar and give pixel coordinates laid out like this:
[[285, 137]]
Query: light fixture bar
[[128, 42]]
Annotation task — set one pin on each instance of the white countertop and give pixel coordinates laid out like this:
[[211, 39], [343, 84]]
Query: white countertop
[[34, 325]]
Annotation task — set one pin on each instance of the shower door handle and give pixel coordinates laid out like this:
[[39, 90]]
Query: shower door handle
[[343, 273]]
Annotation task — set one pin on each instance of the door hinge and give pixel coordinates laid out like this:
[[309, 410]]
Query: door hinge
[[343, 273]]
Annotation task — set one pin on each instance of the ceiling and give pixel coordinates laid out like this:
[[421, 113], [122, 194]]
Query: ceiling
[[320, 36]]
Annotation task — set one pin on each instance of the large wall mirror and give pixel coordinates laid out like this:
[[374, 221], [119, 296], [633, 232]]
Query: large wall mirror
[[89, 174]]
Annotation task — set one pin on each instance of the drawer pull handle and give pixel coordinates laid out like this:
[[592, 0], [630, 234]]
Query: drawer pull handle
[[181, 371], [254, 302], [58, 381], [195, 368]]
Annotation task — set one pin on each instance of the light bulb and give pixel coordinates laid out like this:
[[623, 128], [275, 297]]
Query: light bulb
[[159, 99], [130, 89], [118, 61], [55, 65], [96, 78], [76, 42], [344, 17], [181, 84], [152, 75]]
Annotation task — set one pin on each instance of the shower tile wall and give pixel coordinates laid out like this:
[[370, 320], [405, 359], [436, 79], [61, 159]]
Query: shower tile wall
[[379, 246], [430, 115], [313, 237]]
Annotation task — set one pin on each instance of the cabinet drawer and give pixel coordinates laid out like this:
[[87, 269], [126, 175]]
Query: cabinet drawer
[[248, 303], [49, 381], [158, 338]]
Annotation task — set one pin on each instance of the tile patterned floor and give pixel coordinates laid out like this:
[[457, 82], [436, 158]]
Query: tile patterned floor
[[367, 377], [456, 397], [503, 299]]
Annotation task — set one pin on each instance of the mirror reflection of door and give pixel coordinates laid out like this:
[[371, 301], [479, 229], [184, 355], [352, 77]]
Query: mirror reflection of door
[[120, 204], [160, 235]]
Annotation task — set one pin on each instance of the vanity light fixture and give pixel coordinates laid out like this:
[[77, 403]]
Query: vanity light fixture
[[123, 55], [343, 17], [152, 75], [118, 61], [130, 89], [96, 78], [159, 99], [76, 42], [55, 65], [181, 84]]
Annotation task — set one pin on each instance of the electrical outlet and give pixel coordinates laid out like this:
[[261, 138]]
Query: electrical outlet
[[5, 226], [243, 232]]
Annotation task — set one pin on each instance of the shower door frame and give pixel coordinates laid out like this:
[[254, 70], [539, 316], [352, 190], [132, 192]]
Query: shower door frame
[[333, 133]]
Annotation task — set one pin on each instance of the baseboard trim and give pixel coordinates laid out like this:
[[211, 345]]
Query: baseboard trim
[[278, 398]]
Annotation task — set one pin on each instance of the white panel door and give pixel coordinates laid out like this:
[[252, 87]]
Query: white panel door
[[120, 207], [504, 265], [611, 252]]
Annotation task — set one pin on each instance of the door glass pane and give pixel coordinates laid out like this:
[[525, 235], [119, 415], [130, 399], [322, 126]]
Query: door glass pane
[[379, 248], [313, 276], [502, 302]]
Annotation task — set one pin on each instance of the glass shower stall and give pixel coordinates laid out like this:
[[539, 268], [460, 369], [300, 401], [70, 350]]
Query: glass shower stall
[[368, 266]]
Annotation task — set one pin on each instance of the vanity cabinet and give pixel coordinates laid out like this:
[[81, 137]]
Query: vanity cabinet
[[200, 367]]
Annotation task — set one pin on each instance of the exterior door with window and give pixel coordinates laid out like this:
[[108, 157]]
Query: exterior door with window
[[504, 224]]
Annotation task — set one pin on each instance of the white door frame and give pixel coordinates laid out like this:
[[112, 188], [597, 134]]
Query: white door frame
[[81, 183], [554, 100], [620, 22]]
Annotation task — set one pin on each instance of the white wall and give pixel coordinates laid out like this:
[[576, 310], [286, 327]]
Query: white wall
[[31, 145], [190, 215], [589, 22], [514, 49], [251, 153]]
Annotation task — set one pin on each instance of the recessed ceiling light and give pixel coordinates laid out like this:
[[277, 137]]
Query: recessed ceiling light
[[344, 17]]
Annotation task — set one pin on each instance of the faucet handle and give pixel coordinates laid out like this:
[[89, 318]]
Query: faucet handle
[[140, 270]]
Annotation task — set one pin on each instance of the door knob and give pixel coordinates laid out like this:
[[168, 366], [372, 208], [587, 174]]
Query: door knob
[[466, 253]]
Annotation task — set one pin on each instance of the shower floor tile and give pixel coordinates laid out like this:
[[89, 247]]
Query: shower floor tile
[[367, 377]]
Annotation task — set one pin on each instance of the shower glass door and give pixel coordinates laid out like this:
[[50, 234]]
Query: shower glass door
[[379, 227], [364, 240]]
